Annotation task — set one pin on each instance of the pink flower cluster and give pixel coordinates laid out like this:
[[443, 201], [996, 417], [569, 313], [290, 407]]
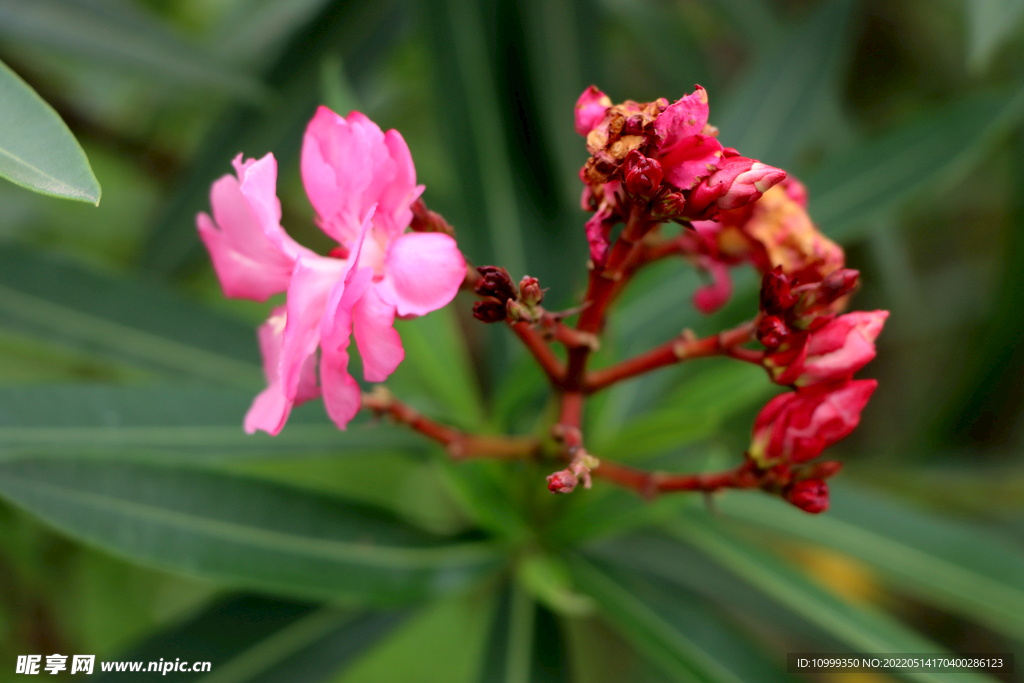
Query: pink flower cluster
[[666, 153], [362, 184]]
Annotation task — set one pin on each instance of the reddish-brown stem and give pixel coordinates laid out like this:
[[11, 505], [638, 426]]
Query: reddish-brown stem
[[568, 337], [545, 357], [458, 443], [682, 348], [648, 484]]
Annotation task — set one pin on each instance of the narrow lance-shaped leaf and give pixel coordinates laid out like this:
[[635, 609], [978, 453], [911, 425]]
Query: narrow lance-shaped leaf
[[37, 151], [778, 107], [249, 638], [120, 34], [688, 641], [130, 321], [850, 188], [171, 423], [861, 628], [243, 532], [989, 24], [953, 564]]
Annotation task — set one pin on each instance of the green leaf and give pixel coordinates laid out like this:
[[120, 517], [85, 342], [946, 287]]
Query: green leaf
[[360, 31], [120, 34], [689, 641], [440, 644], [956, 565], [779, 105], [696, 410], [129, 321], [244, 532], [990, 23], [861, 628], [525, 642], [437, 364], [254, 638], [171, 423], [927, 154], [37, 151]]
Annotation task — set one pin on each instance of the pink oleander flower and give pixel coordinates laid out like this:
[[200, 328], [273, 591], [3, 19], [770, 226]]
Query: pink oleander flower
[[797, 426], [362, 183], [737, 182], [831, 353], [687, 147]]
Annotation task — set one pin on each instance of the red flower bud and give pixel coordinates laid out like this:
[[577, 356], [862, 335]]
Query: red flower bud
[[496, 282], [643, 176], [530, 292], [737, 182], [810, 495], [797, 426], [771, 331], [776, 296], [489, 311], [563, 481]]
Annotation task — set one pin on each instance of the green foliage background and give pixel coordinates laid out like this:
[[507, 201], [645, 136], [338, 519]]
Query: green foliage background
[[139, 522]]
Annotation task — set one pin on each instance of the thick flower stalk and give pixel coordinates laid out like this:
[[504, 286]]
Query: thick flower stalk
[[651, 164]]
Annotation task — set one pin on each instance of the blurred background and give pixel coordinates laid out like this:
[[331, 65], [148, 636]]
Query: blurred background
[[903, 118]]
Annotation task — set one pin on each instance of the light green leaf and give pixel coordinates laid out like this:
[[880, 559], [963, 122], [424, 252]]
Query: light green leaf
[[37, 151], [925, 155], [509, 646], [861, 628], [174, 423], [243, 532], [953, 564], [677, 631], [780, 104], [129, 321], [437, 364], [692, 412], [120, 34], [989, 24]]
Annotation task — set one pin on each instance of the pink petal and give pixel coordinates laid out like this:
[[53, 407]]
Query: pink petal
[[337, 167], [248, 263], [259, 186], [711, 297], [590, 109], [691, 158], [379, 344], [349, 165], [422, 272], [685, 117], [342, 397], [341, 392], [271, 408], [308, 290]]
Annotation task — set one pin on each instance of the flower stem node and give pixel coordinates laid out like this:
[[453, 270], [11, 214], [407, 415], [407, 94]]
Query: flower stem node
[[565, 481]]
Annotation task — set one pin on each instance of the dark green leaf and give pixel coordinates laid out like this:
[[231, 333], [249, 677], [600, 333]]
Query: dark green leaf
[[689, 641], [990, 23], [37, 151], [129, 321], [525, 642], [120, 34], [170, 422], [779, 106], [849, 189], [957, 565], [861, 628], [360, 31], [243, 532], [255, 639]]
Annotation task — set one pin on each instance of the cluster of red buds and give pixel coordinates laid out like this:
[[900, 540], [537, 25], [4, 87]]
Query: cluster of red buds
[[651, 164]]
